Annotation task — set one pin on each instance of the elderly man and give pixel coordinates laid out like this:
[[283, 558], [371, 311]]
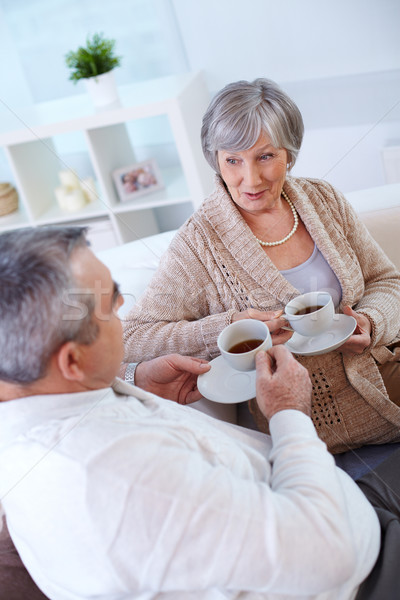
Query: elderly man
[[113, 492]]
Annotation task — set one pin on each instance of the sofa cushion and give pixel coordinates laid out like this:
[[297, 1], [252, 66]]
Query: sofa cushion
[[384, 226], [15, 581]]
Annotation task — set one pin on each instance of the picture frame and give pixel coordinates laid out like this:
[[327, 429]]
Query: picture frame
[[137, 180]]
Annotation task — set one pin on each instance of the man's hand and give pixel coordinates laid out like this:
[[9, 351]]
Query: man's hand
[[273, 320], [361, 337], [172, 376], [281, 383]]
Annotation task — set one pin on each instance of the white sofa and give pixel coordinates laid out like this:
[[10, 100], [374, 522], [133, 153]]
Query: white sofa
[[132, 265]]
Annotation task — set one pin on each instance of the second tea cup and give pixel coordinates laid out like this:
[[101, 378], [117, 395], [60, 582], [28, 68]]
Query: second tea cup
[[311, 314]]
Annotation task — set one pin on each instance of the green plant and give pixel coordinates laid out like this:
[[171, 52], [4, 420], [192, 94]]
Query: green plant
[[96, 58]]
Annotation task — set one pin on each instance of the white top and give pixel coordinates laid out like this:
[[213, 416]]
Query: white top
[[110, 496], [314, 275]]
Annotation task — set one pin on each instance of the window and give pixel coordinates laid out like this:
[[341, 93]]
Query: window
[[35, 35]]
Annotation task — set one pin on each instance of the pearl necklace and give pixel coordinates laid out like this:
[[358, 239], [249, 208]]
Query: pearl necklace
[[294, 229]]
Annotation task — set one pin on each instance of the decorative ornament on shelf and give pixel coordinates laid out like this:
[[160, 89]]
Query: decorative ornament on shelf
[[73, 194], [138, 179], [8, 199], [95, 63]]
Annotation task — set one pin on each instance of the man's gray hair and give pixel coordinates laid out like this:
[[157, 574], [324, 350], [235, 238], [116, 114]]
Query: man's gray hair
[[241, 111], [41, 306]]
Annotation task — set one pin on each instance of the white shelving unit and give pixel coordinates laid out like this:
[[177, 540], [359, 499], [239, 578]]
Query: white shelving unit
[[29, 137]]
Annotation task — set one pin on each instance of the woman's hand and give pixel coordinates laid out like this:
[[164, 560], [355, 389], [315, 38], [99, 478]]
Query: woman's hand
[[361, 337], [273, 319], [172, 376]]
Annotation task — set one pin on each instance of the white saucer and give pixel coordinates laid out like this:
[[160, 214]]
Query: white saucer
[[226, 385], [343, 327]]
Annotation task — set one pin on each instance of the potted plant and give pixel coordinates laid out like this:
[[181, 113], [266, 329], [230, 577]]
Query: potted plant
[[95, 63]]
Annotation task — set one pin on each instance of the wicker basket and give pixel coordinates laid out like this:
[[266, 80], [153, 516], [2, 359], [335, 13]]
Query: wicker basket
[[8, 199]]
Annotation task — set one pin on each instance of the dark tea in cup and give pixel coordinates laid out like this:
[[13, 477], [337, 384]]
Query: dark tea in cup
[[245, 346], [308, 309]]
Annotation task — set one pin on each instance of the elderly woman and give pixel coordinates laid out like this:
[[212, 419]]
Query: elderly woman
[[261, 238]]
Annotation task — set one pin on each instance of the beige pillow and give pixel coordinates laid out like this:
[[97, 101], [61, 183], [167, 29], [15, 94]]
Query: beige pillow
[[384, 226]]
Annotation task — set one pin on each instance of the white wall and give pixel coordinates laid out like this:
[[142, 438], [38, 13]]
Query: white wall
[[339, 60], [290, 40]]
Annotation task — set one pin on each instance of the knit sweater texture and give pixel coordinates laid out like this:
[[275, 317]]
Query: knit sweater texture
[[215, 267]]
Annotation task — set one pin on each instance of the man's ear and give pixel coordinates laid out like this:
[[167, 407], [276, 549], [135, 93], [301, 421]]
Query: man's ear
[[70, 361]]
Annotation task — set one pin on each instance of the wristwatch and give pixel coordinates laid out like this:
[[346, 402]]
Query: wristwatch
[[130, 373]]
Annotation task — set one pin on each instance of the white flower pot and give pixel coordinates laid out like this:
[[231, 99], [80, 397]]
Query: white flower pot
[[102, 89]]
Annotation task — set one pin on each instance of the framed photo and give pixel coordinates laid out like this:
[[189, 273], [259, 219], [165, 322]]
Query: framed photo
[[136, 180]]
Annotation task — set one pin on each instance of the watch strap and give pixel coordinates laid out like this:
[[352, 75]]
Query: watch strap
[[130, 372]]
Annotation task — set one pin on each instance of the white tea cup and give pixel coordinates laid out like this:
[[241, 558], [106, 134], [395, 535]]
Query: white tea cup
[[310, 314], [240, 342]]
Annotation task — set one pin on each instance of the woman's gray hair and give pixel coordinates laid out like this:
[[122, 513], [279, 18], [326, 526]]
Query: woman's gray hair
[[41, 306], [241, 111]]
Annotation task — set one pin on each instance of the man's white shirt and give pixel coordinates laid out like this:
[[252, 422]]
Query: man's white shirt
[[118, 494]]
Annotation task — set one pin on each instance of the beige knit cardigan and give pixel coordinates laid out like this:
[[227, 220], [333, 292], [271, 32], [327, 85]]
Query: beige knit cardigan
[[214, 267]]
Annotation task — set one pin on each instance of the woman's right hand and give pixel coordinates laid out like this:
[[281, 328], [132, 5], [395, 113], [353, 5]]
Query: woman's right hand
[[272, 318]]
